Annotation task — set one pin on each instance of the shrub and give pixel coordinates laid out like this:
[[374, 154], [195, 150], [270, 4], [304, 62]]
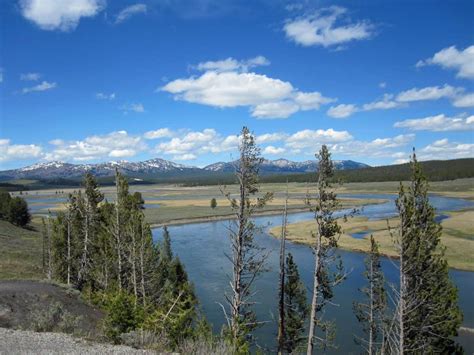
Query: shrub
[[204, 346], [144, 339], [54, 318]]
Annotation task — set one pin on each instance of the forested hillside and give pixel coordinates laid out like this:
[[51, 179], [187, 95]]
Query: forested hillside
[[434, 170]]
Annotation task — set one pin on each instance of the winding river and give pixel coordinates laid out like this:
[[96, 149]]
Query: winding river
[[201, 247]]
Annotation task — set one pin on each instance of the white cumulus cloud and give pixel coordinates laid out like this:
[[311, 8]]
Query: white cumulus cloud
[[428, 93], [59, 14], [342, 110], [313, 138], [197, 143], [438, 123], [271, 150], [346, 110], [327, 27], [158, 133], [10, 151], [385, 103], [118, 144], [445, 149], [231, 64], [266, 97], [451, 58], [466, 100], [270, 137]]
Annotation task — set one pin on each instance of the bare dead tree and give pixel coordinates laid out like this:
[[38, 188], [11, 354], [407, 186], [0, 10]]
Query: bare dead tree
[[68, 226], [47, 250], [117, 229]]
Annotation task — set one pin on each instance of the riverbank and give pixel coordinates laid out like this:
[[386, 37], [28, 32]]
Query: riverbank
[[457, 237], [345, 203]]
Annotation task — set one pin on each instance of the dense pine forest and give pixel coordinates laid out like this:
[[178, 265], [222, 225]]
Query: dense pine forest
[[106, 250]]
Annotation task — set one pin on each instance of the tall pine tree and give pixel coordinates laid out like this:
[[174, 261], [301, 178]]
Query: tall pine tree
[[427, 315], [372, 314], [247, 258], [325, 241], [296, 308]]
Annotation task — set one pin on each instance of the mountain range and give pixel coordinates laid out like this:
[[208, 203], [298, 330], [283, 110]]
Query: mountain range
[[154, 167]]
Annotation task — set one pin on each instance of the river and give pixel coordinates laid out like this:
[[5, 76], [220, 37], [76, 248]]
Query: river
[[201, 247]]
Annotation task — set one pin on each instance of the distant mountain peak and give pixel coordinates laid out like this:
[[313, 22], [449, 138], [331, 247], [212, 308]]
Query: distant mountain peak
[[45, 165], [283, 165], [156, 166]]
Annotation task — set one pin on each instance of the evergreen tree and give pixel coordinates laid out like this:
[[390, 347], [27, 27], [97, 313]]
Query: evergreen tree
[[118, 223], [247, 258], [213, 203], [166, 252], [137, 201], [326, 237], [18, 212], [372, 313], [296, 307], [90, 217], [5, 199], [427, 315]]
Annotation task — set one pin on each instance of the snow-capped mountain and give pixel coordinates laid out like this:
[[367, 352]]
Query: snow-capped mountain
[[155, 167], [286, 166], [57, 169]]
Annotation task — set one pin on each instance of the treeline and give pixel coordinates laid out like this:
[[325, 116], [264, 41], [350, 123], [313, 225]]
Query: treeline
[[107, 251], [434, 170], [14, 209]]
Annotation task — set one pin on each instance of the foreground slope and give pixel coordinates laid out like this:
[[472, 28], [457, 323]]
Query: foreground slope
[[27, 342]]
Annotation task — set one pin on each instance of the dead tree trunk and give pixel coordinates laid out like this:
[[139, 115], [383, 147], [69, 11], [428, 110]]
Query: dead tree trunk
[[238, 264], [142, 263], [85, 254], [68, 248], [314, 300], [117, 232]]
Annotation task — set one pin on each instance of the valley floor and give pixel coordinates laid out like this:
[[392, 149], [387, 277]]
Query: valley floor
[[171, 204]]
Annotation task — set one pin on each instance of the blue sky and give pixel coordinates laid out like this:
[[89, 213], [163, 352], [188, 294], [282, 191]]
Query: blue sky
[[90, 80]]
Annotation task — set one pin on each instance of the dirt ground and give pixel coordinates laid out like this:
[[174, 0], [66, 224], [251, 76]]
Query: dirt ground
[[26, 342], [20, 299]]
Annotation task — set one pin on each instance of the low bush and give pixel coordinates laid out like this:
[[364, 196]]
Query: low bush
[[144, 339], [54, 319]]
